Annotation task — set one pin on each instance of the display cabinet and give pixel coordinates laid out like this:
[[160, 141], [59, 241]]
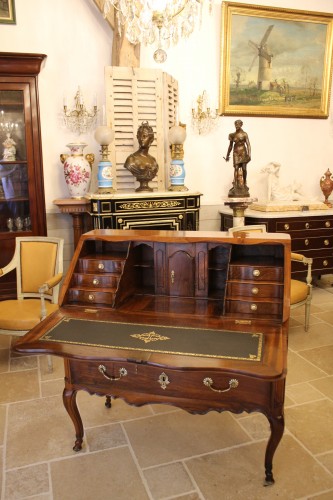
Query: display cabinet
[[22, 203]]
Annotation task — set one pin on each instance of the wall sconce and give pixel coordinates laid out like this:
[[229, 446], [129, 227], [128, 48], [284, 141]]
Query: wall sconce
[[79, 120], [104, 136], [177, 136], [203, 120]]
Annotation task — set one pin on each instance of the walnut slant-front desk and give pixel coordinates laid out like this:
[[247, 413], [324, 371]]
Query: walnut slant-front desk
[[198, 320]]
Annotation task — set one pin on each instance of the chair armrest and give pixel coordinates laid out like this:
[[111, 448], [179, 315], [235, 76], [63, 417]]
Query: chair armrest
[[50, 283], [43, 289], [301, 258], [307, 261], [12, 265]]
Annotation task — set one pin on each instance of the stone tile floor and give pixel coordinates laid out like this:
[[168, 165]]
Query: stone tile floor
[[159, 452]]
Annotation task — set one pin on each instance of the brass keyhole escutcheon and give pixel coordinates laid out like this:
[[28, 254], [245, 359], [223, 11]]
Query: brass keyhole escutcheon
[[172, 276], [163, 380]]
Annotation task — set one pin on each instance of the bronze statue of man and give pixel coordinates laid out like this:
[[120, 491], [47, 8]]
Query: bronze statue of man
[[141, 164], [240, 144]]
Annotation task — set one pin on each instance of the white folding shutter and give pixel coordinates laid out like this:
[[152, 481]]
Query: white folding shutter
[[135, 95]]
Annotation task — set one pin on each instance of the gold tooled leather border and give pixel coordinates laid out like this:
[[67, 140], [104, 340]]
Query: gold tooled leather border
[[251, 357]]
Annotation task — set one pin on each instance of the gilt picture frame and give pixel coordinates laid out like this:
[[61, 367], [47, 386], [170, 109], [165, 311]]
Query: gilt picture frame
[[7, 12], [275, 62]]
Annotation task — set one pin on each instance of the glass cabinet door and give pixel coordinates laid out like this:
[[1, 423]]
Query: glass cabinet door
[[14, 189], [22, 202]]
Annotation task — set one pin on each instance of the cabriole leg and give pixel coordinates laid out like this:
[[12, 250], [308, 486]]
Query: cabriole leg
[[69, 399], [277, 428]]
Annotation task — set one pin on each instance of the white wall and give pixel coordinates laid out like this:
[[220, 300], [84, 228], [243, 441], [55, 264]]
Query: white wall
[[304, 147], [78, 44]]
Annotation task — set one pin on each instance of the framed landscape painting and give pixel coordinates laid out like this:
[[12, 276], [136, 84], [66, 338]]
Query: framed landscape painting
[[7, 12], [275, 62]]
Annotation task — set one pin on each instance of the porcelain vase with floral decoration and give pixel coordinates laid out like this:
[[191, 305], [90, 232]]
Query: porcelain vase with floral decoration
[[77, 169]]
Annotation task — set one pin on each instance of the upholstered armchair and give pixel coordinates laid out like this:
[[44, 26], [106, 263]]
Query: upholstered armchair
[[38, 262]]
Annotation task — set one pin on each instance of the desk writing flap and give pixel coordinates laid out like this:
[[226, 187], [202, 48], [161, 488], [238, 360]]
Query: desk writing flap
[[155, 338]]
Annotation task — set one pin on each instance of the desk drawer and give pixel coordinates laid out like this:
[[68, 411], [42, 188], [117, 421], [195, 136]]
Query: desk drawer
[[102, 264], [255, 273], [269, 290], [96, 280], [167, 383], [91, 296], [254, 308]]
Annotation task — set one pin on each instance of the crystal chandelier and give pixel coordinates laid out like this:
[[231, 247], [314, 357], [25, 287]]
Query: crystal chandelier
[[79, 119], [156, 21], [203, 119]]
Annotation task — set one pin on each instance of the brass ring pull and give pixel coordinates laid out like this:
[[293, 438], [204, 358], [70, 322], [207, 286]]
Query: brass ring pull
[[326, 242], [255, 290], [95, 281], [306, 242], [208, 382], [256, 272], [307, 225], [253, 307], [122, 373], [101, 266], [327, 223], [325, 262], [286, 226], [91, 297]]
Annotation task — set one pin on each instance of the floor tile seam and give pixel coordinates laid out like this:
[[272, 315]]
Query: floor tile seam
[[319, 346], [137, 465], [205, 454], [305, 402], [198, 491], [311, 363], [308, 451], [247, 416], [181, 495], [4, 451], [322, 492], [21, 401]]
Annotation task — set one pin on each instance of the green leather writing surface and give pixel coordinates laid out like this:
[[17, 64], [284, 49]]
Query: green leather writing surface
[[156, 338]]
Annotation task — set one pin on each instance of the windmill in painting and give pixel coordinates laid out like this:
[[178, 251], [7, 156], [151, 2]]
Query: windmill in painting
[[265, 60]]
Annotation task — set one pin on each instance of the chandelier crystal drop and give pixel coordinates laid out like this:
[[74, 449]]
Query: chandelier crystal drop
[[156, 21]]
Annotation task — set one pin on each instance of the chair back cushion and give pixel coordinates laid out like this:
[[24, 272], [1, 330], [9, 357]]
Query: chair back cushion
[[38, 264]]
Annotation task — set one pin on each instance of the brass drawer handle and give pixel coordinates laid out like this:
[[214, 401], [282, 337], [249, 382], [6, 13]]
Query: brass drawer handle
[[256, 272], [327, 223], [253, 307], [255, 290], [91, 297], [286, 226], [208, 382], [122, 373], [306, 242], [307, 225], [101, 266], [95, 281], [326, 242], [325, 263]]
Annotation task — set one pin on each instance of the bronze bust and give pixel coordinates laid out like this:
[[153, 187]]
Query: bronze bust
[[141, 164]]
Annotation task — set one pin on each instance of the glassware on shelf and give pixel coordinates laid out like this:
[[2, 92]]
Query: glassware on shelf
[[19, 223], [27, 223], [10, 224]]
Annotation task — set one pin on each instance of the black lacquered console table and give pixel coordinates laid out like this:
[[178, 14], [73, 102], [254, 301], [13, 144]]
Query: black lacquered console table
[[170, 210]]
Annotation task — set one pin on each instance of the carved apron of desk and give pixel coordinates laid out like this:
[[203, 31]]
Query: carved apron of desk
[[197, 391]]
